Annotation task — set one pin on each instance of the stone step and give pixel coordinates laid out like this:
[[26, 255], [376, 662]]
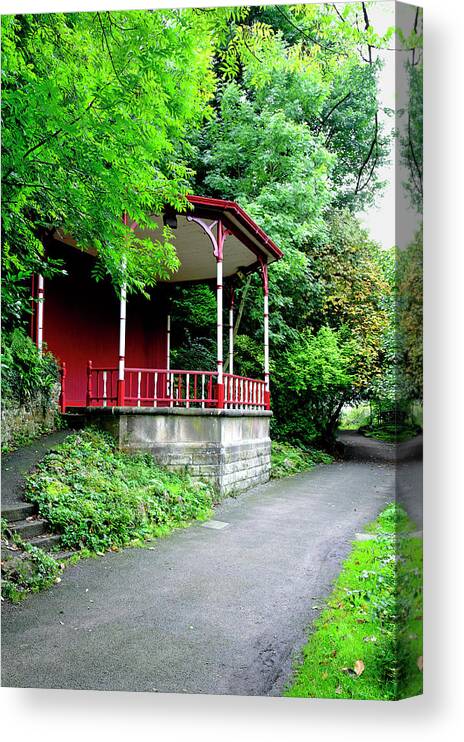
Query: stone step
[[45, 542], [27, 529], [19, 511]]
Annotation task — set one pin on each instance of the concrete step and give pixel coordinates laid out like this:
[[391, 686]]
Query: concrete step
[[45, 542], [19, 511], [27, 529]]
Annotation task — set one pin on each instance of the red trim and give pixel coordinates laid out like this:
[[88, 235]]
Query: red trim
[[217, 204], [267, 400], [121, 392], [264, 275], [89, 384], [220, 396]]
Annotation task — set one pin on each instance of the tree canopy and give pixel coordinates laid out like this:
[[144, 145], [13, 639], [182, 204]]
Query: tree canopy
[[276, 107]]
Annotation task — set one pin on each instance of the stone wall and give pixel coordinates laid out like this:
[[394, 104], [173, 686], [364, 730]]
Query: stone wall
[[231, 449], [22, 423]]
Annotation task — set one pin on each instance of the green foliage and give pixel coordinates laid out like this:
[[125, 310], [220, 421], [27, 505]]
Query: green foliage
[[353, 417], [410, 315], [95, 111], [287, 460], [25, 570], [373, 617], [313, 377], [193, 313], [26, 375], [98, 498]]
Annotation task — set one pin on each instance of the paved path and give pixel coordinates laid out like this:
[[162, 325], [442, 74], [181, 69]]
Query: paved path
[[18, 463], [408, 459], [205, 610]]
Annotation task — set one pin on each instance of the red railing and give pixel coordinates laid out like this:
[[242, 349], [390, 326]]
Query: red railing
[[148, 387], [102, 386], [241, 393]]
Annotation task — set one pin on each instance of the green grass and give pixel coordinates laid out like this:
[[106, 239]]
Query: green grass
[[367, 643], [287, 459], [391, 433], [353, 418], [98, 498]]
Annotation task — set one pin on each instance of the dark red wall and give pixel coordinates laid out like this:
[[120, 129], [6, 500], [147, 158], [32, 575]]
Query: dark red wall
[[81, 323]]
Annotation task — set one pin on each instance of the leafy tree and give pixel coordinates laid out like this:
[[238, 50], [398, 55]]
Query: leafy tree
[[96, 107], [313, 378], [410, 314]]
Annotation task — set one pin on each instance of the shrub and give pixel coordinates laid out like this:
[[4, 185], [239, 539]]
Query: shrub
[[287, 459], [26, 375], [98, 497]]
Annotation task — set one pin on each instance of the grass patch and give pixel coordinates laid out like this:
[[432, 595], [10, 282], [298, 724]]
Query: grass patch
[[353, 418], [367, 643], [99, 498], [287, 460], [391, 433]]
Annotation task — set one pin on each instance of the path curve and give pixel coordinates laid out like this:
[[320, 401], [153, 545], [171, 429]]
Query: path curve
[[205, 610]]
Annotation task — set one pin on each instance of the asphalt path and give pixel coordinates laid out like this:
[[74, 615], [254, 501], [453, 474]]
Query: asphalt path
[[220, 610]]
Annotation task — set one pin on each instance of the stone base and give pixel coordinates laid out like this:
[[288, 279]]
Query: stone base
[[231, 449]]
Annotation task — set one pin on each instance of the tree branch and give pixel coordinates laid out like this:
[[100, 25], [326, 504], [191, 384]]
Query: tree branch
[[368, 157], [301, 31], [59, 131], [328, 115], [109, 50]]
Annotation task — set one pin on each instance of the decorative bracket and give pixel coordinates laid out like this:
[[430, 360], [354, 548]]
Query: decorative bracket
[[218, 242]]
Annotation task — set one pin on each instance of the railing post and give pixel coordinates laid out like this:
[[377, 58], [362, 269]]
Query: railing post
[[63, 388], [89, 384]]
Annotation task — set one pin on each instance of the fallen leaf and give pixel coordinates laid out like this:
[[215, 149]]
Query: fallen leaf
[[334, 653], [338, 690], [359, 667], [420, 663], [325, 675]]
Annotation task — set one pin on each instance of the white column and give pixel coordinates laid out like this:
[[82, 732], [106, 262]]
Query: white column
[[168, 355], [122, 341], [266, 340], [122, 332], [168, 342], [220, 358], [231, 335], [40, 311]]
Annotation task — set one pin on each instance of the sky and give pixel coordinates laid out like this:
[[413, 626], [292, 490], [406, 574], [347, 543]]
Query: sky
[[380, 219]]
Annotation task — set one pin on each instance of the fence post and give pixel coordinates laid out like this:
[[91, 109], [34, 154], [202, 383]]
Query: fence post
[[63, 388], [89, 384]]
